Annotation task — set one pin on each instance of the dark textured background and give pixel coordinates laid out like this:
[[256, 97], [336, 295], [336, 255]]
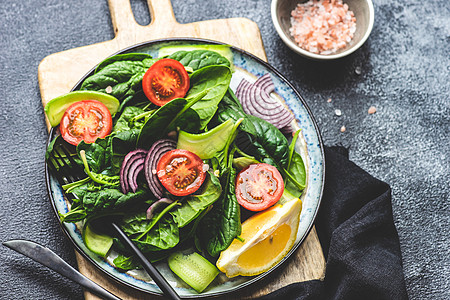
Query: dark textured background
[[402, 70]]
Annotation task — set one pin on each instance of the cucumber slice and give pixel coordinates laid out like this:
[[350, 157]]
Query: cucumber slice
[[97, 243], [56, 107], [193, 269], [208, 143]]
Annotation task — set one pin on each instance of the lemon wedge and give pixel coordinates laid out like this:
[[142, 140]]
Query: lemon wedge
[[267, 238]]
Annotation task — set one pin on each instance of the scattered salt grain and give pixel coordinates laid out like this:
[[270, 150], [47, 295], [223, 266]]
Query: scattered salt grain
[[322, 26], [358, 70], [108, 89], [329, 100], [343, 129], [372, 110], [338, 112]]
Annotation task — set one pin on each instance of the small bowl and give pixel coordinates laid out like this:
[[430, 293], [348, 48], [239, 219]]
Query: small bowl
[[362, 9]]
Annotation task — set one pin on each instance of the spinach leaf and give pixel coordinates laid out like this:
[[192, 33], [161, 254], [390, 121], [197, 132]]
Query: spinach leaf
[[156, 126], [270, 145], [123, 57], [164, 235], [109, 199], [222, 224], [123, 73], [126, 263], [296, 168], [198, 59], [160, 232], [230, 108], [99, 178], [172, 114], [74, 215], [195, 204], [127, 119], [215, 81], [98, 154]]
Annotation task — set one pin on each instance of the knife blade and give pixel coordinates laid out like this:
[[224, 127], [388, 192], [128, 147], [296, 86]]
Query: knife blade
[[48, 258]]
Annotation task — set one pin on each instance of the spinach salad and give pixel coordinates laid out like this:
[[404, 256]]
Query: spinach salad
[[210, 121]]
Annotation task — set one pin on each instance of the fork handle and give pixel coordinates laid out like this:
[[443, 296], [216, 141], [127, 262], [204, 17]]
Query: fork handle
[[151, 270]]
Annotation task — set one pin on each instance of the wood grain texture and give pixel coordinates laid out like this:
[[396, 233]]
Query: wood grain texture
[[58, 73]]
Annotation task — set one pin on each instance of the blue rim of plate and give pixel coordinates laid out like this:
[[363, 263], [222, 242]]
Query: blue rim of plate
[[313, 212]]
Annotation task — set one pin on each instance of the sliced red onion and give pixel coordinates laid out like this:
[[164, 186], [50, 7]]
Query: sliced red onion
[[265, 83], [135, 168], [130, 169], [288, 129], [161, 202], [151, 160], [255, 100]]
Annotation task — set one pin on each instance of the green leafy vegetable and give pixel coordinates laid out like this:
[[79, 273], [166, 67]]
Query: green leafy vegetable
[[222, 224], [123, 73], [270, 145], [126, 263], [198, 59], [99, 178], [213, 79], [158, 124], [195, 204], [164, 235], [296, 167]]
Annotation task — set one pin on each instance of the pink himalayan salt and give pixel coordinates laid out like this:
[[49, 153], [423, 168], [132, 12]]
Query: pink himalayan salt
[[322, 26]]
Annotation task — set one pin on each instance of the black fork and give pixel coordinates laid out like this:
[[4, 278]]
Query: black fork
[[63, 166]]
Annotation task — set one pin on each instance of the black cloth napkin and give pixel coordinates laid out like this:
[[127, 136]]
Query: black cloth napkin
[[357, 233]]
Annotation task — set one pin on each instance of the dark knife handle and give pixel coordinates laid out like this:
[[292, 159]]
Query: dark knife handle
[[51, 260]]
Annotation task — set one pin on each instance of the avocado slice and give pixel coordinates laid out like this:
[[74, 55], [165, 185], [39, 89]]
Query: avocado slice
[[56, 107]]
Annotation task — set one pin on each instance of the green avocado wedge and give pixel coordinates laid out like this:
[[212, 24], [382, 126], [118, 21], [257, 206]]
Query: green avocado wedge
[[56, 107]]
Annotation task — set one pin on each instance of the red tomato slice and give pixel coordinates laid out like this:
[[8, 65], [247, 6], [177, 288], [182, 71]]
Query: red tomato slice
[[180, 172], [85, 120], [165, 80], [259, 186]]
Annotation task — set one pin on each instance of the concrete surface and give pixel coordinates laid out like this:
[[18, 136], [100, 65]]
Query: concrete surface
[[402, 70]]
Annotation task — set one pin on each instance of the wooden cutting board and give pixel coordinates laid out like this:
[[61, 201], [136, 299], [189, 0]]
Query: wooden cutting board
[[58, 74]]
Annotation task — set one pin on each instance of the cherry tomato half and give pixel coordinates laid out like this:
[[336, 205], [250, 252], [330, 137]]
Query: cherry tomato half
[[85, 120], [259, 186], [165, 80], [180, 172]]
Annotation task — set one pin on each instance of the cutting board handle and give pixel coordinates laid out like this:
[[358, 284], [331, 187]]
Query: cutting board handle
[[161, 12], [123, 21]]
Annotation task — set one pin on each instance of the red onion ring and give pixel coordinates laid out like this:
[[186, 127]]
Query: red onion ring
[[130, 170], [157, 204], [151, 160], [256, 101]]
